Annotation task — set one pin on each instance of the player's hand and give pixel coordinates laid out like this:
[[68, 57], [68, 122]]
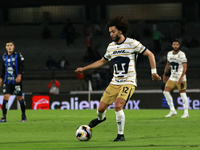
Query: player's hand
[[165, 79], [79, 70], [1, 81], [18, 79], [156, 77], [180, 80]]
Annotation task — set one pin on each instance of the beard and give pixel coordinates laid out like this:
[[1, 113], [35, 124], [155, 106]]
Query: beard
[[116, 38], [176, 49]]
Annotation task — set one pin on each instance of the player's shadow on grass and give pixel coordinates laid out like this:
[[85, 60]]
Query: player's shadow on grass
[[134, 146], [159, 118], [26, 142]]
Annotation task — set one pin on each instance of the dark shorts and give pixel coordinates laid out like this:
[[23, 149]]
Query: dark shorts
[[15, 89]]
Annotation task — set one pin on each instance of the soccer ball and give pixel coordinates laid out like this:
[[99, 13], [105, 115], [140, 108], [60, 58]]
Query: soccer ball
[[84, 133]]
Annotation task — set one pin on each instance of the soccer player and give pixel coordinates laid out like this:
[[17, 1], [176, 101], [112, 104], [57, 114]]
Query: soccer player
[[12, 70], [123, 51], [176, 59]]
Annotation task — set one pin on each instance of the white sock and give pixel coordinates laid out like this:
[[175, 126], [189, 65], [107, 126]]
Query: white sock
[[185, 102], [169, 100], [100, 115], [120, 118]]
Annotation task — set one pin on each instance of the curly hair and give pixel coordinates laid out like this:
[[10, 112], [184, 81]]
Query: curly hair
[[120, 23]]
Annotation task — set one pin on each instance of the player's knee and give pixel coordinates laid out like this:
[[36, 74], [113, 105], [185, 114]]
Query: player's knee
[[101, 110], [102, 107], [119, 104], [164, 92], [118, 107], [6, 97], [19, 98]]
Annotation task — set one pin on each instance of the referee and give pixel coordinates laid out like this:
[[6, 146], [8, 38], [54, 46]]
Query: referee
[[12, 69]]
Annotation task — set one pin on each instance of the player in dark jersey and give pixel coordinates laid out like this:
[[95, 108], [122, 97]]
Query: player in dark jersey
[[12, 70]]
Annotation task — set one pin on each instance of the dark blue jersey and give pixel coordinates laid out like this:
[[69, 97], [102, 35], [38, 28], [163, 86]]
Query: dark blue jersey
[[13, 65]]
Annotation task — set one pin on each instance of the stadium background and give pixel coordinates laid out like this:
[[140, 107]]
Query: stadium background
[[23, 22]]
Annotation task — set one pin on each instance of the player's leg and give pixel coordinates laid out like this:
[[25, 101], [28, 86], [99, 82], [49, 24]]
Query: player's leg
[[101, 111], [124, 95], [5, 107], [168, 88], [23, 108], [108, 98], [120, 118], [182, 89], [19, 94], [185, 104], [7, 90], [101, 115]]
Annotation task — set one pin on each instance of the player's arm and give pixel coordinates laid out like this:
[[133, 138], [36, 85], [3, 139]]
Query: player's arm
[[21, 63], [20, 67], [167, 68], [152, 62], [94, 65], [183, 73], [2, 73]]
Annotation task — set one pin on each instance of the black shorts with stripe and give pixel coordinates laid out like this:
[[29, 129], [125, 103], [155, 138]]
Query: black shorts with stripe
[[15, 89]]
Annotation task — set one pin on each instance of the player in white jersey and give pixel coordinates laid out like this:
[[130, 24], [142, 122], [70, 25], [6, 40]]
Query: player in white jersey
[[124, 56], [123, 52], [177, 62]]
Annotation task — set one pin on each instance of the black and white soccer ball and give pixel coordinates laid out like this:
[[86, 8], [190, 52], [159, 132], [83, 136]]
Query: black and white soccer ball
[[84, 133]]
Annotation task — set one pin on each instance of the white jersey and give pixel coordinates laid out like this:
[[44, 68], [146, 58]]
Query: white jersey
[[176, 62], [124, 56]]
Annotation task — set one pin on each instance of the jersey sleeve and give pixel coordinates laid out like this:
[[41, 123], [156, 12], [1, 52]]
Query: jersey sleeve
[[168, 56], [184, 59], [3, 69], [21, 63], [107, 55], [138, 47], [21, 57]]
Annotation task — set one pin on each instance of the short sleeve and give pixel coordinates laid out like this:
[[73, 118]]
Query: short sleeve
[[184, 59], [107, 55], [138, 47]]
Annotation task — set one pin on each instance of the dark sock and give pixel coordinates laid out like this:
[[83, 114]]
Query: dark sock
[[4, 108], [23, 106]]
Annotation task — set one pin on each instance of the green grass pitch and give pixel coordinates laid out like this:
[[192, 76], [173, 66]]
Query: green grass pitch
[[144, 130]]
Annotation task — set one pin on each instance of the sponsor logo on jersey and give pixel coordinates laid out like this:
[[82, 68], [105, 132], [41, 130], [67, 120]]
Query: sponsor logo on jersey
[[10, 70], [120, 52], [172, 59], [141, 47], [13, 59], [174, 76], [120, 80]]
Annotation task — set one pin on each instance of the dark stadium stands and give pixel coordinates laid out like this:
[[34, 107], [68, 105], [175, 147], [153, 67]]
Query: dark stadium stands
[[35, 50]]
